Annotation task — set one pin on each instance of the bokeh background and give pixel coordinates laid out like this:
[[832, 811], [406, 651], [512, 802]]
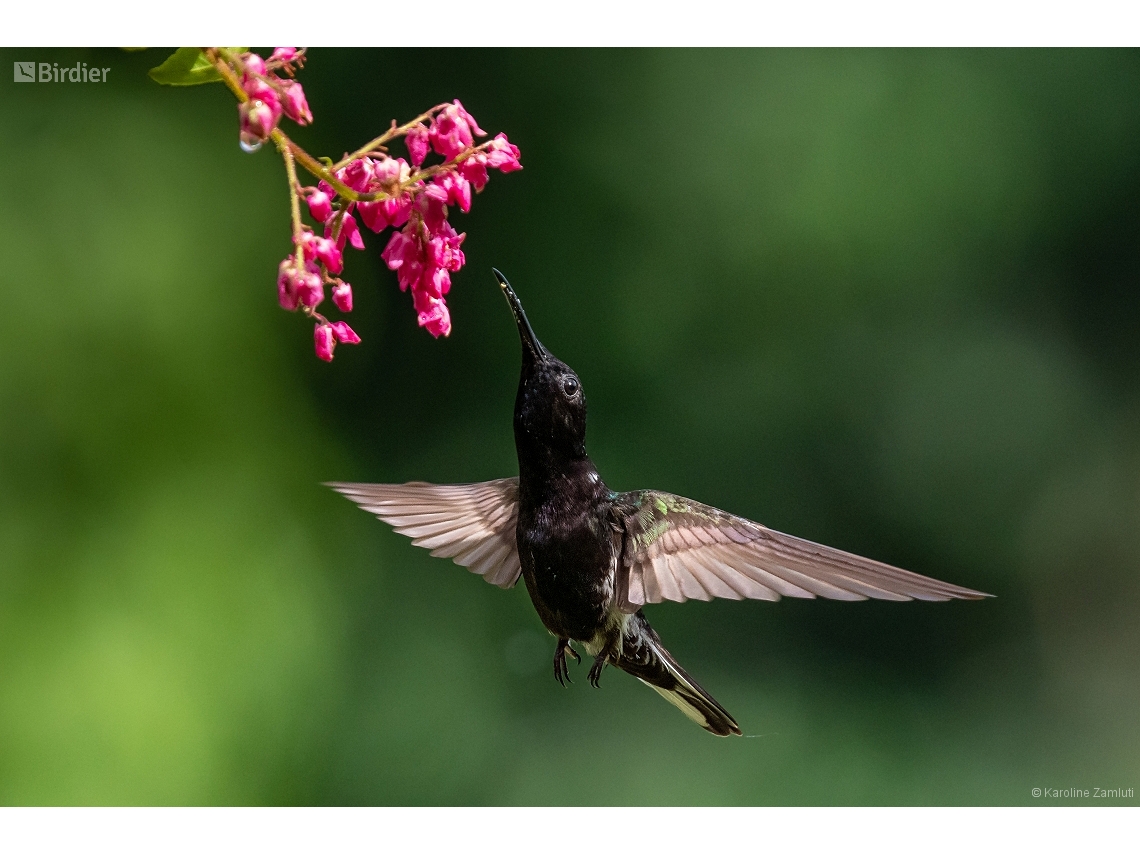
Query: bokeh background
[[886, 300]]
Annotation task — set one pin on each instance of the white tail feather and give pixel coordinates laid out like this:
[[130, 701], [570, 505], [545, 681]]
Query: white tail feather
[[679, 701]]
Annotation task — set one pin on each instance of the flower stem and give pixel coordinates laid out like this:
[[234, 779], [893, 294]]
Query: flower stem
[[387, 135], [295, 208], [225, 61]]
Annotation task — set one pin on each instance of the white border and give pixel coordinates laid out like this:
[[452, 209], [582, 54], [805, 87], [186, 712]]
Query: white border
[[710, 23], [502, 831]]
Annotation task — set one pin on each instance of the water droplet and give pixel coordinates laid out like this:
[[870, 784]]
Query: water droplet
[[250, 145]]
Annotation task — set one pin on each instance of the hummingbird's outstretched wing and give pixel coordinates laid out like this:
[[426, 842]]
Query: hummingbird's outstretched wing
[[472, 524], [677, 549]]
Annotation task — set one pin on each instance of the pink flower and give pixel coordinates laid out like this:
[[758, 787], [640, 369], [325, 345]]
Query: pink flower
[[258, 90], [287, 285], [342, 296], [418, 142], [254, 64], [451, 131], [462, 113], [397, 210], [373, 216], [283, 54], [444, 251], [357, 175], [344, 333], [401, 248], [457, 188], [324, 340], [435, 283], [388, 172], [320, 205], [354, 236], [349, 232], [387, 175], [257, 121], [433, 207], [293, 289], [435, 318], [294, 104], [389, 212], [324, 250], [474, 169], [404, 255], [502, 155], [310, 289]]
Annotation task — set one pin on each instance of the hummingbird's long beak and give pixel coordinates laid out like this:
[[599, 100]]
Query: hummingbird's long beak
[[530, 341]]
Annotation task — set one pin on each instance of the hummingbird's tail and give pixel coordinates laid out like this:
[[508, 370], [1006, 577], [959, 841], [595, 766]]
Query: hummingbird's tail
[[645, 657]]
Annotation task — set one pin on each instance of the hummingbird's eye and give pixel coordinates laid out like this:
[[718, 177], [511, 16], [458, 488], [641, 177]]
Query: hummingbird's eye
[[569, 386]]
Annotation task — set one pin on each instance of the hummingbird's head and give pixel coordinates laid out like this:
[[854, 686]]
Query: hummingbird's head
[[550, 409]]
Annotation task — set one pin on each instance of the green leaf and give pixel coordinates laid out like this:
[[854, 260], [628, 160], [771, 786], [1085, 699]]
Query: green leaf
[[187, 66]]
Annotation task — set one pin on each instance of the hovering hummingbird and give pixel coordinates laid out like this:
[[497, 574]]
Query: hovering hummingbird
[[592, 557]]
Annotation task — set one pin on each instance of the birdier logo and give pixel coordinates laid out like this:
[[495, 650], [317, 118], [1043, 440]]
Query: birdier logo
[[50, 72]]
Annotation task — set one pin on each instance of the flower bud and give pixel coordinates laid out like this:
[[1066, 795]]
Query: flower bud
[[357, 175], [436, 319], [349, 232], [457, 188], [325, 251], [344, 333], [474, 169], [451, 130], [324, 341], [418, 142], [310, 289], [389, 171], [287, 285], [257, 119], [254, 64], [433, 207], [502, 155], [434, 283], [320, 205], [294, 104], [403, 254], [342, 296]]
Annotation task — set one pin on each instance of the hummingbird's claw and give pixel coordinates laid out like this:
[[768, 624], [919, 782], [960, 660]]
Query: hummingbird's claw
[[596, 670], [561, 672]]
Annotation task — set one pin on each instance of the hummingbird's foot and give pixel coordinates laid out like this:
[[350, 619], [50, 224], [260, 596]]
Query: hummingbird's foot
[[596, 670], [561, 672]]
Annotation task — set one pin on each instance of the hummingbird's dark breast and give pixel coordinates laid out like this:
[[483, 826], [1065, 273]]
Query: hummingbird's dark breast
[[568, 551]]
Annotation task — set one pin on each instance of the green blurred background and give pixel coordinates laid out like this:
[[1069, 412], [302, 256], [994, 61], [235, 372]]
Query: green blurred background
[[886, 300]]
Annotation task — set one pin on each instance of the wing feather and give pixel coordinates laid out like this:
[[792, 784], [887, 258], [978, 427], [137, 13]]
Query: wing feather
[[715, 580], [472, 524], [746, 583], [678, 549]]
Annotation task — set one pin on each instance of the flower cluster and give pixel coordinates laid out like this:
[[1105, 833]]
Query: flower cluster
[[426, 251], [393, 192], [369, 188], [270, 95]]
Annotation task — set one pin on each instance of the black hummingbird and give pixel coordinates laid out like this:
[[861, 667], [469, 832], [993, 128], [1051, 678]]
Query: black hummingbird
[[592, 557]]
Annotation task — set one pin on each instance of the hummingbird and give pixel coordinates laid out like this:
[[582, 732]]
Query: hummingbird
[[591, 557]]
